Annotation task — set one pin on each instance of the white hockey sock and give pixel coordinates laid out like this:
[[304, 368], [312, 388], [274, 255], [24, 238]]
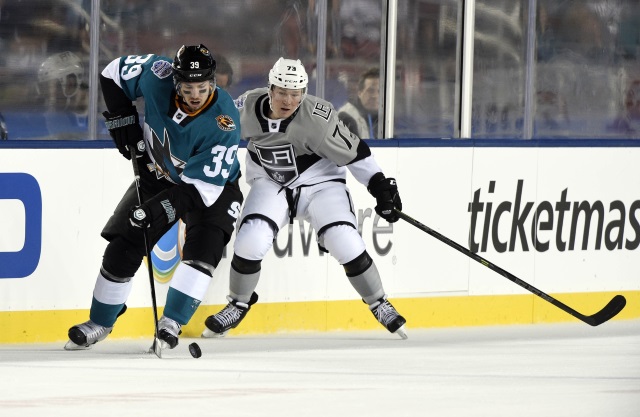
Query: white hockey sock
[[110, 292]]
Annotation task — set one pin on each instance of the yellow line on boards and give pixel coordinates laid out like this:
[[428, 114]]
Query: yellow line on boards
[[323, 316]]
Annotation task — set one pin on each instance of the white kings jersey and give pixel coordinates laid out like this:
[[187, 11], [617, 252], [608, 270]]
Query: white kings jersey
[[310, 147]]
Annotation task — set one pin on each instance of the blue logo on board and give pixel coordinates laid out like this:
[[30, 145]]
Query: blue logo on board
[[25, 190]]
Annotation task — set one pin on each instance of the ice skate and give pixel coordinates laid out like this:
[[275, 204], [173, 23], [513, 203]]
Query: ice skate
[[228, 318], [83, 336], [168, 332], [389, 317]]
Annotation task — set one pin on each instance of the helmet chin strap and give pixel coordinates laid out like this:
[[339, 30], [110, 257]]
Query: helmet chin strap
[[270, 106]]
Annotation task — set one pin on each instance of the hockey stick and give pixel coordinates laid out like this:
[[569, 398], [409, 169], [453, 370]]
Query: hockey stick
[[147, 247], [609, 311]]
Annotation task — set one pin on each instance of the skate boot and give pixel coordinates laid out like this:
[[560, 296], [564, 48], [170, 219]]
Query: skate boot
[[228, 318], [82, 336], [168, 332], [389, 317]]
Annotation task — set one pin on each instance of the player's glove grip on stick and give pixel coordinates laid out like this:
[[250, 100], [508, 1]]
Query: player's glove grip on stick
[[155, 213], [385, 191], [124, 128]]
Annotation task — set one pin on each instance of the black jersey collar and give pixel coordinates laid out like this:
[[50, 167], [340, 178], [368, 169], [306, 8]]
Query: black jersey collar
[[262, 110], [188, 118]]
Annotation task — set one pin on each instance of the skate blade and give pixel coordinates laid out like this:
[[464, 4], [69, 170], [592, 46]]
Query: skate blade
[[72, 346], [402, 333], [209, 334]]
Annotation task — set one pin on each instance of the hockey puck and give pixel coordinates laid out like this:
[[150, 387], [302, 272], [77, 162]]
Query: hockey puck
[[195, 351]]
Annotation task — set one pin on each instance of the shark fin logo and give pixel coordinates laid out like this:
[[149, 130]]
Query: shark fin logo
[[165, 163]]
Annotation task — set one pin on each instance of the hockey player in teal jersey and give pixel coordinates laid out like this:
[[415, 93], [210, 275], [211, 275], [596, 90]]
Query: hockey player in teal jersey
[[186, 153]]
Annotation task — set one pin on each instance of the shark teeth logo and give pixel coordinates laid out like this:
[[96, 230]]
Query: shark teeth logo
[[225, 123]]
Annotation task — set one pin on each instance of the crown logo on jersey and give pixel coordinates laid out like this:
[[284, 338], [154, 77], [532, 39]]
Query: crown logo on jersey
[[278, 177]]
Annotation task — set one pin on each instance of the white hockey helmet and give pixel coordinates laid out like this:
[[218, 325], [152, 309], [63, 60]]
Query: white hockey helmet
[[59, 67], [288, 73]]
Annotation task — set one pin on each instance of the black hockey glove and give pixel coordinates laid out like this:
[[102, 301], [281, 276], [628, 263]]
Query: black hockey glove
[[387, 198], [155, 213], [124, 128]]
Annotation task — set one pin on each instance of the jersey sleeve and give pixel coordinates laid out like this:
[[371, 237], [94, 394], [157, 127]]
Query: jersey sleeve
[[364, 169], [130, 72], [342, 146], [339, 144]]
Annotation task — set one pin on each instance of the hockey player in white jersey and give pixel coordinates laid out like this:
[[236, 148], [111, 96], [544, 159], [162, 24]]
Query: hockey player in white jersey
[[298, 155]]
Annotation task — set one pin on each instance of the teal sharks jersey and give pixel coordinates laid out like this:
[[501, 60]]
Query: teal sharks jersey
[[198, 148]]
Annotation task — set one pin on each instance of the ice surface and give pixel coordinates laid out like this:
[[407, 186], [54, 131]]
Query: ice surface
[[536, 370]]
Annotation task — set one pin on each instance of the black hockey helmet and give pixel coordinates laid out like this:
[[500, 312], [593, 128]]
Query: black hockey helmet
[[193, 64]]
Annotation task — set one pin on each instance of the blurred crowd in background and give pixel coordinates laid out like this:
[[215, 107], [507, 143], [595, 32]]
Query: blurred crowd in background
[[586, 67]]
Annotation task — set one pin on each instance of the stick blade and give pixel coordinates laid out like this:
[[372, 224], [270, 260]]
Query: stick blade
[[609, 311], [156, 348]]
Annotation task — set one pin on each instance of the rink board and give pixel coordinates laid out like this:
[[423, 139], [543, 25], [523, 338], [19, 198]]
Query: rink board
[[564, 219]]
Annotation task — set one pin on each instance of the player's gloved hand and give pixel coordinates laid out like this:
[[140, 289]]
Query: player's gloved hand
[[385, 191], [155, 213], [124, 128]]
